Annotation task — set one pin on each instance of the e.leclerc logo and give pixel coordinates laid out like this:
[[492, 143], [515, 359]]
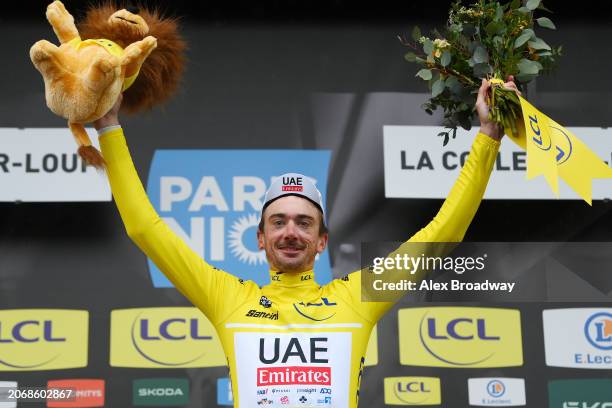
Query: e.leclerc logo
[[598, 330], [412, 391], [43, 339], [165, 337], [497, 392], [213, 198], [586, 334], [461, 337]]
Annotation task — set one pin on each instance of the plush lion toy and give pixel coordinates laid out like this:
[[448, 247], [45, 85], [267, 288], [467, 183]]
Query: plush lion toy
[[113, 51]]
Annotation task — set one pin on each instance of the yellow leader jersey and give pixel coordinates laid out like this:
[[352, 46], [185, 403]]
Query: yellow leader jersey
[[292, 342]]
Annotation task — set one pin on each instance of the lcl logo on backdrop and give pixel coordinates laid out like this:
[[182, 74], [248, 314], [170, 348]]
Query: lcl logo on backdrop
[[463, 337], [586, 334], [212, 199], [412, 391], [43, 339], [497, 392], [582, 393], [164, 337]]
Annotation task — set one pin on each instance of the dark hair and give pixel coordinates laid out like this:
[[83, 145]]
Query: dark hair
[[322, 227]]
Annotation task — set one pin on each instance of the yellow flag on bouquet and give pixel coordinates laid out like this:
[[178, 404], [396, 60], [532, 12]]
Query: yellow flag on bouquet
[[553, 151]]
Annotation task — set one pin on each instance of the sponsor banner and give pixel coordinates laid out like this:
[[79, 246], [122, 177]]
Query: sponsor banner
[[412, 391], [161, 392], [586, 334], [293, 369], [418, 166], [43, 339], [460, 337], [87, 393], [497, 392], [164, 337], [371, 356], [213, 198], [4, 394], [225, 396], [42, 164], [580, 393]]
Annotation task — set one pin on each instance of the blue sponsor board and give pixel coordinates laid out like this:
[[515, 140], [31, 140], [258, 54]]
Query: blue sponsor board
[[213, 198], [224, 392]]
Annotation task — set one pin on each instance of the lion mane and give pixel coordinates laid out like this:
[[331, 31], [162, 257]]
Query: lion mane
[[160, 75]]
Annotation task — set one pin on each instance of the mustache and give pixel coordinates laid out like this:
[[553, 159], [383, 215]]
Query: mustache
[[291, 245]]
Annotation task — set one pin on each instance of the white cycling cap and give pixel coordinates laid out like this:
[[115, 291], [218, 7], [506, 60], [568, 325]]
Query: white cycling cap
[[293, 184]]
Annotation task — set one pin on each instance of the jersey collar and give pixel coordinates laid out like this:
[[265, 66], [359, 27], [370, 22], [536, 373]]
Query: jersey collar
[[305, 278]]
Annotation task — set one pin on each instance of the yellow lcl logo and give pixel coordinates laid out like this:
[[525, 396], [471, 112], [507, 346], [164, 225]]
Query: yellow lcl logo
[[43, 339], [460, 337], [164, 337]]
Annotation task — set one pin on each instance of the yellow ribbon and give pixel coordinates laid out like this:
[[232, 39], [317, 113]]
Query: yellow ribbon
[[553, 151]]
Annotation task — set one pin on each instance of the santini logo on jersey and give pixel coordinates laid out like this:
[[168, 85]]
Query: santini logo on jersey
[[262, 315]]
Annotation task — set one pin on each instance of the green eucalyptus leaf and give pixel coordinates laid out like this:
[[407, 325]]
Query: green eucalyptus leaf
[[539, 44], [428, 46], [532, 4], [437, 88], [410, 57], [445, 59], [482, 70], [524, 10], [499, 12], [480, 55], [528, 67], [494, 27], [424, 74], [546, 23], [454, 86], [416, 33], [525, 36]]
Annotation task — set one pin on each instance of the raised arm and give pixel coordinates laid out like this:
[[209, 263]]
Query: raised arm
[[454, 217], [213, 291]]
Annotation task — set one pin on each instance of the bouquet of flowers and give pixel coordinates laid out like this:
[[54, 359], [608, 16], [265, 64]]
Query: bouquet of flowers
[[489, 39]]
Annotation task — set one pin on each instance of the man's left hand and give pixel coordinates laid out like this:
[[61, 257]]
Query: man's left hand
[[487, 126]]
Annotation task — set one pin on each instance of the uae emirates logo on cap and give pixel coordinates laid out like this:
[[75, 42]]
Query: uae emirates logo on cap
[[292, 184]]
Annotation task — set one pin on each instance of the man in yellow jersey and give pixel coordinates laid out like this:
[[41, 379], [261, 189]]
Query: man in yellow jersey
[[293, 342]]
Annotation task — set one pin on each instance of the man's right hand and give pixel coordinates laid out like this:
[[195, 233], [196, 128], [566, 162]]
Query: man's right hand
[[112, 116]]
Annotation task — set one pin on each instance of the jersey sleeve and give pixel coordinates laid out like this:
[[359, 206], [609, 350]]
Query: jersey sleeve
[[215, 292], [449, 225]]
